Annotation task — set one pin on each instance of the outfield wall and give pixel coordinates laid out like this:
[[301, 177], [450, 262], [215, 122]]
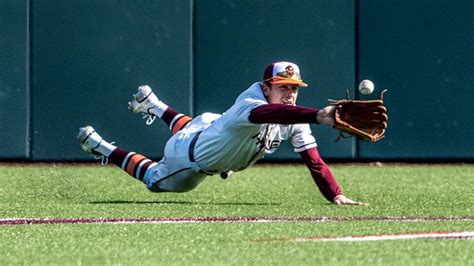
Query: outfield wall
[[70, 63]]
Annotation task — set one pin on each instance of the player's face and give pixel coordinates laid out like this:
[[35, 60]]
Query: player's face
[[281, 93]]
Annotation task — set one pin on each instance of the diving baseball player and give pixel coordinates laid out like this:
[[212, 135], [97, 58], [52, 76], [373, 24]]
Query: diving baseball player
[[261, 118]]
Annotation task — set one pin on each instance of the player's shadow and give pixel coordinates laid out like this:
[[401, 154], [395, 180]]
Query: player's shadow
[[186, 203]]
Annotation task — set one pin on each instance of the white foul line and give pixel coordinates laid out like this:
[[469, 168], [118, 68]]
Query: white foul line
[[451, 235]]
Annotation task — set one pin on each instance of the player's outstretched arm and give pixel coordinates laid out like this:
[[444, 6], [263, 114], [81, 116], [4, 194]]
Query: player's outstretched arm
[[291, 114]]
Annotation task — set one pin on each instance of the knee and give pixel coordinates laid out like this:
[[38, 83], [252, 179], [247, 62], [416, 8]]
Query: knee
[[155, 188]]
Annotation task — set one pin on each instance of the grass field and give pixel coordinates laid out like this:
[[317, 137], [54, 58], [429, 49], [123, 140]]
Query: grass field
[[265, 191]]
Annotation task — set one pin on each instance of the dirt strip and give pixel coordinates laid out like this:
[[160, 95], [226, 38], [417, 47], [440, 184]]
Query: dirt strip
[[20, 221]]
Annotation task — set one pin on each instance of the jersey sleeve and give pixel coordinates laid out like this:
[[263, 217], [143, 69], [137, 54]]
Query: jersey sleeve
[[283, 114], [302, 138], [321, 174]]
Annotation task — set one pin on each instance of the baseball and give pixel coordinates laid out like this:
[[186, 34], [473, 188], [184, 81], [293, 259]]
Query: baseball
[[366, 87]]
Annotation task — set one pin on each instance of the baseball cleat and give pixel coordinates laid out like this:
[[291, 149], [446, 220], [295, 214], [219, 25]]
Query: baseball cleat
[[143, 101], [89, 139]]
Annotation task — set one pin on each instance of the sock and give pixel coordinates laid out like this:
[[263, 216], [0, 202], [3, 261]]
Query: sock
[[134, 164], [159, 109], [175, 121]]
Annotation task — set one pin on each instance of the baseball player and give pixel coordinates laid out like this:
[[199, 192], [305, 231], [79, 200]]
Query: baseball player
[[261, 118]]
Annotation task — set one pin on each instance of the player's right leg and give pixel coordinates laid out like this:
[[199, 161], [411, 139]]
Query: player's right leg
[[146, 102]]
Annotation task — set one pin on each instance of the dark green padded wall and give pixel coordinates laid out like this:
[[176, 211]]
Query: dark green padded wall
[[14, 103], [236, 40], [70, 63], [423, 51], [88, 59]]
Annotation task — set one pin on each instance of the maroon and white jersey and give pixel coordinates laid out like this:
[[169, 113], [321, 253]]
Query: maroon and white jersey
[[232, 142]]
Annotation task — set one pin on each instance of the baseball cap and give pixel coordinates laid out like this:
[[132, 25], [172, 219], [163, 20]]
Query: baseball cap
[[283, 73]]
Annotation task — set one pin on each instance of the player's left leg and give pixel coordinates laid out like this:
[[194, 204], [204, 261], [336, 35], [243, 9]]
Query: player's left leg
[[172, 175], [146, 102], [136, 165]]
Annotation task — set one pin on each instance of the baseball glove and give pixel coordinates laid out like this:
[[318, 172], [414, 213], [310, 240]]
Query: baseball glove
[[365, 119]]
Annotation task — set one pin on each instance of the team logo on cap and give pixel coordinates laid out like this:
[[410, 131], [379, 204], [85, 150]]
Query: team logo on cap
[[289, 73]]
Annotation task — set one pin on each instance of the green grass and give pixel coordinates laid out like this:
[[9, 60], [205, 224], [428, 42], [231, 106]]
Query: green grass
[[263, 191]]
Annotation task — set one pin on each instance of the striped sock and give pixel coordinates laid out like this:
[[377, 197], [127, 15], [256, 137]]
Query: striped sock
[[134, 164], [175, 121]]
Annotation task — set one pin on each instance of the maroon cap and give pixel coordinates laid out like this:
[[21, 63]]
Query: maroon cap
[[283, 73]]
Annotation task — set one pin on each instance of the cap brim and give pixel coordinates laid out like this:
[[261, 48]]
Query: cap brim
[[299, 83]]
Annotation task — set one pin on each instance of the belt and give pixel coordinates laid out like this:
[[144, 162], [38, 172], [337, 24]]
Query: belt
[[192, 145]]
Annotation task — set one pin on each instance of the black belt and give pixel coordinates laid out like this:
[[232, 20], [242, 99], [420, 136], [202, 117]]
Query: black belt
[[192, 145], [191, 154]]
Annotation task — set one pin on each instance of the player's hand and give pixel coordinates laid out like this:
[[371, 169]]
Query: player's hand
[[343, 200], [325, 116]]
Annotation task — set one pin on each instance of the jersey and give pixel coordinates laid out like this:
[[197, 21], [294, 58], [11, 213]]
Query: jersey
[[232, 142]]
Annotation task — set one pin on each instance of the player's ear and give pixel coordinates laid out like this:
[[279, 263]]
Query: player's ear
[[265, 89]]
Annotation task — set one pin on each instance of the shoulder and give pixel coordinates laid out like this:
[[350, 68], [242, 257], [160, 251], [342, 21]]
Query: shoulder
[[253, 94]]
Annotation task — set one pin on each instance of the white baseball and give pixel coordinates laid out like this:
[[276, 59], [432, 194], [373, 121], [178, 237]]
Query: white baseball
[[366, 87]]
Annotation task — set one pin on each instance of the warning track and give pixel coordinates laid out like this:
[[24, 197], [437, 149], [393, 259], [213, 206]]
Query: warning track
[[26, 221]]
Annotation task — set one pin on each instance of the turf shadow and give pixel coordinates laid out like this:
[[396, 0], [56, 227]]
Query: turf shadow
[[185, 203], [244, 203], [140, 202]]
